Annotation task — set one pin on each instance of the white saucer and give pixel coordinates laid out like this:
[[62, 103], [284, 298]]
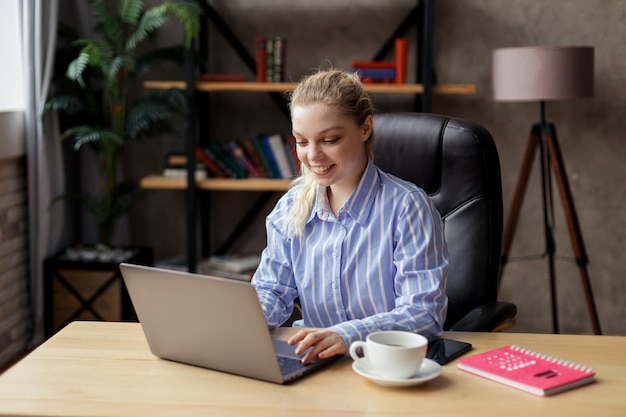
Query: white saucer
[[428, 370]]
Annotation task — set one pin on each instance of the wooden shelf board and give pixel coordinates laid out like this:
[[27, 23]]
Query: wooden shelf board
[[245, 184], [460, 89]]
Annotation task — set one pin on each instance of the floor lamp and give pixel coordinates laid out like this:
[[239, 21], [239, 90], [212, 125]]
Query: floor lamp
[[542, 74]]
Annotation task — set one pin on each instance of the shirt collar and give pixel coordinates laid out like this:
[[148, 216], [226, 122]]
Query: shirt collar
[[359, 203]]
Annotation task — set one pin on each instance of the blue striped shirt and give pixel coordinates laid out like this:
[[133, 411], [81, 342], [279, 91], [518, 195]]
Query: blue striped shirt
[[380, 265]]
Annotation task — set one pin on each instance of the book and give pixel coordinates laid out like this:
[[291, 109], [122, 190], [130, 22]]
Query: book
[[373, 64], [527, 370], [277, 147], [176, 159], [378, 80], [253, 155], [208, 163], [223, 158], [385, 71], [178, 172], [271, 159], [257, 142], [260, 60], [377, 73], [227, 172], [235, 262], [269, 60], [179, 263], [400, 58], [239, 155], [278, 70], [290, 146]]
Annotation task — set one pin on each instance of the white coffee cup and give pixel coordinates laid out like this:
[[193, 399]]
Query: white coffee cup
[[391, 354]]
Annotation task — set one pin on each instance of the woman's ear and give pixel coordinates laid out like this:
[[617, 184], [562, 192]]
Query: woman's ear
[[366, 128]]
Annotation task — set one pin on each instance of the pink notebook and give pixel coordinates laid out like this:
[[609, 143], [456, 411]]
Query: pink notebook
[[527, 370]]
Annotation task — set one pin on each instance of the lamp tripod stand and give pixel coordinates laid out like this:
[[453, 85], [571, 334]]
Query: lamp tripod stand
[[543, 136]]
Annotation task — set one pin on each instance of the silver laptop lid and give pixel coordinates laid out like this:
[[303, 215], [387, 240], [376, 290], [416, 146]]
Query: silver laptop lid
[[203, 320]]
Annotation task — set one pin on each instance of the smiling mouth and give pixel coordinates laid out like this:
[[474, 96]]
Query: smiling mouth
[[320, 169]]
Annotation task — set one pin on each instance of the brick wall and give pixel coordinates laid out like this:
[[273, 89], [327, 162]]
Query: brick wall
[[15, 319]]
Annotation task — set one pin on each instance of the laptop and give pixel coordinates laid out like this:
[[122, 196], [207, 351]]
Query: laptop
[[212, 322]]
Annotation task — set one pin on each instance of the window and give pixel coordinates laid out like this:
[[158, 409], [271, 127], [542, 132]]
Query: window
[[12, 91]]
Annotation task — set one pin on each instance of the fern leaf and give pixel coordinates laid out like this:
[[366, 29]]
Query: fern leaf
[[118, 64], [153, 113], [83, 135], [188, 12], [146, 118], [107, 22], [129, 11], [151, 20], [64, 104], [76, 68]]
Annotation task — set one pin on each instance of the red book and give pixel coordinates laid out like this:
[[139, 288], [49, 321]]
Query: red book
[[239, 155], [527, 370], [252, 154], [374, 64], [400, 58], [210, 165], [259, 53]]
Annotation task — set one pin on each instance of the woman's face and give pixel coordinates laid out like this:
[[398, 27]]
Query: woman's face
[[330, 144]]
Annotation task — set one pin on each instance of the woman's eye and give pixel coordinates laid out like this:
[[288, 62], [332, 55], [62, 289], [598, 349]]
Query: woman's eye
[[331, 140]]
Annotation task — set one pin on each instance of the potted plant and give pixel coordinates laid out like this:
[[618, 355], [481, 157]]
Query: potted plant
[[100, 109]]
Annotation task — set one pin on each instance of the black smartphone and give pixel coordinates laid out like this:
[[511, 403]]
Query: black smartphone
[[443, 351]]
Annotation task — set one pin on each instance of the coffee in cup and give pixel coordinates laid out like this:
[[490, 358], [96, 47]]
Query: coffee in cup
[[391, 354]]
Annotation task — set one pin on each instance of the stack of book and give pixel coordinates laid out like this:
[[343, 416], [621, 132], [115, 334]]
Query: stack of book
[[270, 59], [385, 71], [237, 266], [261, 156], [176, 166]]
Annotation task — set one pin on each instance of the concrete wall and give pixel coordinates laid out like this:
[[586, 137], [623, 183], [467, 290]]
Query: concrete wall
[[591, 131]]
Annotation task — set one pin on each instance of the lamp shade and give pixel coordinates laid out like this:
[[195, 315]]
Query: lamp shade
[[542, 73]]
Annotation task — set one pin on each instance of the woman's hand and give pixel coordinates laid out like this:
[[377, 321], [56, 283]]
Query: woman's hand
[[324, 343]]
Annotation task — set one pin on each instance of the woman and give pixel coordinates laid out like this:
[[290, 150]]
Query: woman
[[361, 249]]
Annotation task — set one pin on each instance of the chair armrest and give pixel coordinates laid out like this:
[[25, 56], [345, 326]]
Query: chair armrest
[[486, 318]]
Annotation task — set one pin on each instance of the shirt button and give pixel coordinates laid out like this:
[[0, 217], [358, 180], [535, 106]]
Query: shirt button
[[334, 254], [334, 286]]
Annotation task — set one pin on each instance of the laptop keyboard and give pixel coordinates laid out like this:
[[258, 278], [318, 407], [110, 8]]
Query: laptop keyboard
[[289, 365]]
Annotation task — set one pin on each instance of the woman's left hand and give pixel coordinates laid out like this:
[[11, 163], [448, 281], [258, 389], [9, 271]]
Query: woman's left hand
[[324, 343]]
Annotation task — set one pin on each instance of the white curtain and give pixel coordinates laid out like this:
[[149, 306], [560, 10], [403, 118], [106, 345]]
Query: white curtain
[[43, 149]]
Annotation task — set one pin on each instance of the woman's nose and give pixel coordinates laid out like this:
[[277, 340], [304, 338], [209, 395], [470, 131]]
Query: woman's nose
[[314, 151]]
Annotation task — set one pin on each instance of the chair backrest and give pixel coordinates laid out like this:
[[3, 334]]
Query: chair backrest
[[456, 162]]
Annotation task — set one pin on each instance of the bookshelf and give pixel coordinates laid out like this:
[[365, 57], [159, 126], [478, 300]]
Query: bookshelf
[[421, 15], [159, 182], [206, 86]]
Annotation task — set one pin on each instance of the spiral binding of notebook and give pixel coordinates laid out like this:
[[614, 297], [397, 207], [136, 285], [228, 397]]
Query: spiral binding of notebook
[[528, 370], [553, 359]]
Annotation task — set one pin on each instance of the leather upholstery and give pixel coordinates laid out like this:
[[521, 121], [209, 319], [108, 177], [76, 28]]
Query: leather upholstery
[[456, 162]]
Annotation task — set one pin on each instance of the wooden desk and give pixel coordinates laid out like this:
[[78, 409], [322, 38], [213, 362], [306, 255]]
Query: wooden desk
[[106, 369]]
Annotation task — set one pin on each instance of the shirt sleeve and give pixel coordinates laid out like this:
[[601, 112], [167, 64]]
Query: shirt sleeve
[[421, 263], [273, 279]]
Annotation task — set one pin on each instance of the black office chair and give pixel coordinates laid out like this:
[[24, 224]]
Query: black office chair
[[456, 162]]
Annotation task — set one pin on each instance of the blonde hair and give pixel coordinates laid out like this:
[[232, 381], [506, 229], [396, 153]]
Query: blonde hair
[[343, 92]]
